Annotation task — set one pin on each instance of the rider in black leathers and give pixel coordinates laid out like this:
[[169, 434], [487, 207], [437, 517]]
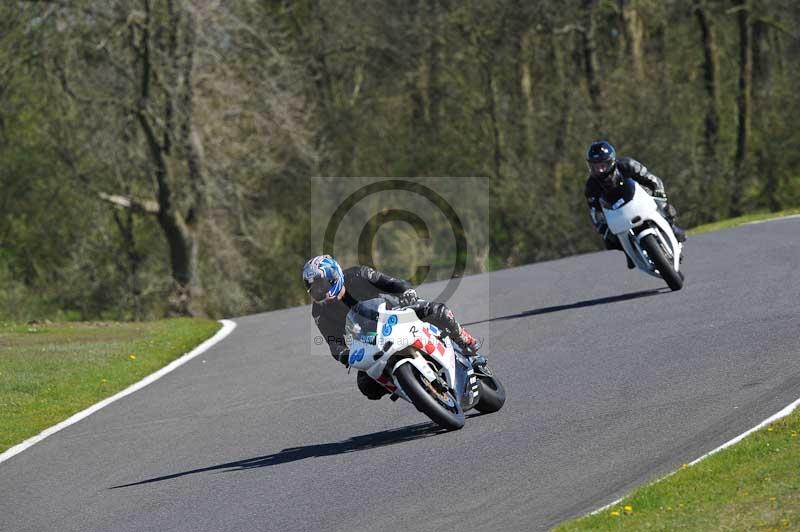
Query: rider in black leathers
[[606, 172], [361, 283]]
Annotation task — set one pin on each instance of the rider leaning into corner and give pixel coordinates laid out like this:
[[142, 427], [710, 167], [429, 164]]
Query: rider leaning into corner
[[606, 173], [336, 291]]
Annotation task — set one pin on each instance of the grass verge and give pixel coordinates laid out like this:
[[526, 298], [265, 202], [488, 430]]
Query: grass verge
[[747, 218], [50, 371], [752, 485]]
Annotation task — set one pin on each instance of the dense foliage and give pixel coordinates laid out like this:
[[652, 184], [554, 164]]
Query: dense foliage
[[155, 155]]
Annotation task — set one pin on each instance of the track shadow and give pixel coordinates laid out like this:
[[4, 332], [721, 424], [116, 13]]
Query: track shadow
[[293, 454], [579, 304]]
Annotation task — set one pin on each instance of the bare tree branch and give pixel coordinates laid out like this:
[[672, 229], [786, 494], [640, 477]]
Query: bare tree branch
[[128, 202]]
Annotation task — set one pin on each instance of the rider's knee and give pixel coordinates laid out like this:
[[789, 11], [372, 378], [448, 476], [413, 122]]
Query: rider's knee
[[368, 387], [612, 242], [671, 210], [441, 313]]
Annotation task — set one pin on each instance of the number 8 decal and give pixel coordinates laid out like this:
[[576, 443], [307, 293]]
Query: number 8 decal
[[356, 356], [390, 323]]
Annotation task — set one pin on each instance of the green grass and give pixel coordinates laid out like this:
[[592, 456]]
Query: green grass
[[50, 371], [733, 222], [753, 485]]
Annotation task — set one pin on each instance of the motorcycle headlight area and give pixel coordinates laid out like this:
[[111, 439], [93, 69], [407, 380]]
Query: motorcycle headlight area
[[362, 322]]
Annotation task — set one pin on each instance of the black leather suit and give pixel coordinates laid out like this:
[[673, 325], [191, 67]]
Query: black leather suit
[[626, 168]]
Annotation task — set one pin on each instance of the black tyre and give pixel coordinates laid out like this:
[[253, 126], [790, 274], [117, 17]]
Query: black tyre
[[651, 246], [491, 394], [445, 413]]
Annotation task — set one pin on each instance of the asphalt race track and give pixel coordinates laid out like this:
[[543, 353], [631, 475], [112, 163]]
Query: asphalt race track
[[612, 381]]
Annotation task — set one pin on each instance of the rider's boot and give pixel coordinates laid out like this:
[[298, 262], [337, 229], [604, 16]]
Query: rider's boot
[[442, 317], [469, 346], [670, 213], [466, 341], [680, 234], [478, 362], [631, 265]]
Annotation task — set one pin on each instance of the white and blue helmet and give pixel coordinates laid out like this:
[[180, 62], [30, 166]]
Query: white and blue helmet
[[323, 278]]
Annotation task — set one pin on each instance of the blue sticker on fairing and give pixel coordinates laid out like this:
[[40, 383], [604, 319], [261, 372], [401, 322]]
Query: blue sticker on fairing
[[356, 356], [390, 323]]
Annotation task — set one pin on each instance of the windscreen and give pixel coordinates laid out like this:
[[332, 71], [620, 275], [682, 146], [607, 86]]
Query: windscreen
[[362, 322], [611, 198]]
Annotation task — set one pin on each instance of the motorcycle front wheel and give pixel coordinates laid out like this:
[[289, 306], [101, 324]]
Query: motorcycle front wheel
[[441, 407], [673, 279]]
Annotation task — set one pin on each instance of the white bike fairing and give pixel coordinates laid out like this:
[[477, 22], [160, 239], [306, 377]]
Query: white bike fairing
[[397, 330], [623, 217], [413, 361]]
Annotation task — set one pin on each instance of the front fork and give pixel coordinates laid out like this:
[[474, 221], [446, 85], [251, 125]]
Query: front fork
[[466, 381], [641, 261]]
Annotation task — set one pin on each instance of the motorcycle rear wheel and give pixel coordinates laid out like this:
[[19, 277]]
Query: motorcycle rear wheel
[[491, 395]]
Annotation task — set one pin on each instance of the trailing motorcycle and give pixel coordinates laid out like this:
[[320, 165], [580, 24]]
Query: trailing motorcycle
[[637, 219]]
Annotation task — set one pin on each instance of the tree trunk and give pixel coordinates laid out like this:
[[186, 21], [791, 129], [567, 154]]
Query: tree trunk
[[743, 104], [515, 33], [634, 33], [309, 30], [710, 75], [711, 122], [591, 65], [180, 235], [526, 88], [564, 117], [417, 88], [132, 259], [761, 59], [435, 61], [489, 91], [192, 150]]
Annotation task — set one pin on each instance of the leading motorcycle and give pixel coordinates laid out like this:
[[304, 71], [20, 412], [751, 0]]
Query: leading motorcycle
[[415, 362]]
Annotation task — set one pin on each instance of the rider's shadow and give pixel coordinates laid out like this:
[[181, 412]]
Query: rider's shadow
[[293, 454], [577, 304]]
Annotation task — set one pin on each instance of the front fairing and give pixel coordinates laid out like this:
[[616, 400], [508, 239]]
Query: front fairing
[[398, 329], [402, 329], [618, 196], [362, 355], [631, 213], [628, 207]]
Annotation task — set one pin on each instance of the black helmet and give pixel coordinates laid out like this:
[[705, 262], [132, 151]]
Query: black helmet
[[601, 159]]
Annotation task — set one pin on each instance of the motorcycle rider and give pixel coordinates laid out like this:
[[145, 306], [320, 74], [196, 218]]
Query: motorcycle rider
[[606, 172], [336, 291]]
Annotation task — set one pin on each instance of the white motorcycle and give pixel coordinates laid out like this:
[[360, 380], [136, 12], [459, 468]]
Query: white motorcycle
[[648, 239], [409, 358]]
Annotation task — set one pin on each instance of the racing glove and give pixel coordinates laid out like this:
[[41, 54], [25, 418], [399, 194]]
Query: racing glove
[[408, 298], [342, 355]]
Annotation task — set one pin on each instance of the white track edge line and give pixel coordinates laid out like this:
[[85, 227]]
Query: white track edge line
[[227, 327], [781, 414], [776, 219]]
